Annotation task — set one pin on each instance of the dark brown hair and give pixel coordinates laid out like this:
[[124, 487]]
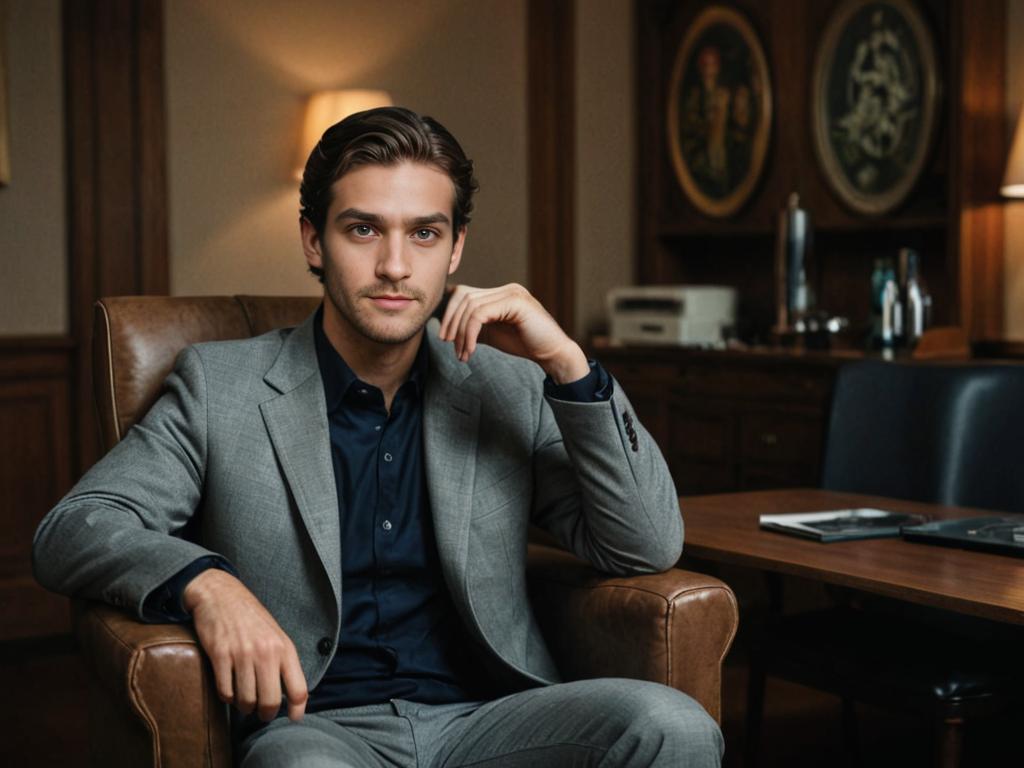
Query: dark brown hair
[[383, 136]]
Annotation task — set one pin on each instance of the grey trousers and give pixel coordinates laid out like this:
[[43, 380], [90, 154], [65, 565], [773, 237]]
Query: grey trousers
[[606, 723]]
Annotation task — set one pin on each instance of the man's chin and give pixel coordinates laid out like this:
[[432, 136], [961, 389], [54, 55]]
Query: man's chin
[[390, 333]]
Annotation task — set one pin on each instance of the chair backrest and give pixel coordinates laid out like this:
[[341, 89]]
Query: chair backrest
[[136, 340], [939, 432]]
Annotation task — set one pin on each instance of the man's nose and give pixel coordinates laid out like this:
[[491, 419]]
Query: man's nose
[[394, 263]]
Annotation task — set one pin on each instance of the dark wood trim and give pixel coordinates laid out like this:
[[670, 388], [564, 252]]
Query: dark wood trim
[[35, 471], [117, 190], [980, 134], [551, 61], [1000, 349]]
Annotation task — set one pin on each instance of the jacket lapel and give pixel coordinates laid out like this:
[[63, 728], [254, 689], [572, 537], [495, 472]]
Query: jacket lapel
[[451, 415], [297, 423]]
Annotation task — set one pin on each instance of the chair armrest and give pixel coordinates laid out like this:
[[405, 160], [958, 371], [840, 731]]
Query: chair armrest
[[152, 699], [673, 628]]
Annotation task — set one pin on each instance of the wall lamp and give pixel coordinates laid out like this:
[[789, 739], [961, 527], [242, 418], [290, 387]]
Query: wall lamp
[[1013, 179], [325, 108]]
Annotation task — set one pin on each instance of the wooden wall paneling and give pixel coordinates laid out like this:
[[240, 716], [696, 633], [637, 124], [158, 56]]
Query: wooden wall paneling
[[35, 471], [551, 58], [117, 198], [952, 217], [980, 132]]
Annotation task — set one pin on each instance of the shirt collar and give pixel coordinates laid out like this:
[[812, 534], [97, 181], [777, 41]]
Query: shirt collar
[[338, 377]]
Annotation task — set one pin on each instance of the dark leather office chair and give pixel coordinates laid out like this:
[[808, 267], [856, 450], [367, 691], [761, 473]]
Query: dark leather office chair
[[151, 693], [942, 433]]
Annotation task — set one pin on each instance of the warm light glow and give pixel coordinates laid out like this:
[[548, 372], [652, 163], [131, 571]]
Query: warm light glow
[[325, 108], [1013, 181]]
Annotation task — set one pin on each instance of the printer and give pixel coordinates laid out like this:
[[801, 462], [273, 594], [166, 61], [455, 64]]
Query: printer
[[688, 315]]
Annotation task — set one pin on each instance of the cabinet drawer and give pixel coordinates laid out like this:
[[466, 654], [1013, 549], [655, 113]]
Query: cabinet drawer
[[756, 476], [777, 436], [696, 477], [810, 387], [707, 435]]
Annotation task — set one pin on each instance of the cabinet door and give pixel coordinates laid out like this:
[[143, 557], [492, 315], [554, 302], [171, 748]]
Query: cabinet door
[[780, 447], [702, 446]]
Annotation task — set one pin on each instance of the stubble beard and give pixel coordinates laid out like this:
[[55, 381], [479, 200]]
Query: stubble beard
[[379, 328]]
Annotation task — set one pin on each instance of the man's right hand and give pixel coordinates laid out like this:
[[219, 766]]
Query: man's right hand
[[250, 653]]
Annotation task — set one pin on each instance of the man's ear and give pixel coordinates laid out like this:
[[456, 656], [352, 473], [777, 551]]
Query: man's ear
[[460, 241], [311, 243]]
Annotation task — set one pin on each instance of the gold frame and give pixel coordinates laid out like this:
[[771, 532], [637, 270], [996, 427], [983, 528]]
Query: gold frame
[[726, 206], [874, 205]]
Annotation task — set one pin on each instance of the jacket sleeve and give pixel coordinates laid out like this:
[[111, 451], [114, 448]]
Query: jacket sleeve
[[602, 488], [112, 538]]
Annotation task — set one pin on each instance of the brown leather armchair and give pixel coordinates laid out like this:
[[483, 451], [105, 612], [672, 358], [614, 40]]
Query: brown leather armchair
[[152, 701]]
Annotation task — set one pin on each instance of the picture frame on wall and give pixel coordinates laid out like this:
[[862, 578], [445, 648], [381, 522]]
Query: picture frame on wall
[[874, 102], [719, 111]]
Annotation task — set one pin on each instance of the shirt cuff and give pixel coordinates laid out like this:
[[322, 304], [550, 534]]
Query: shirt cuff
[[595, 387], [164, 604]]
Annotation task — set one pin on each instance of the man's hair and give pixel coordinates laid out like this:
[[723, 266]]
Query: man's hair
[[383, 136]]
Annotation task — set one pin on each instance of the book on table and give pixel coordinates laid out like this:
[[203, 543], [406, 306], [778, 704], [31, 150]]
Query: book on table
[[841, 524]]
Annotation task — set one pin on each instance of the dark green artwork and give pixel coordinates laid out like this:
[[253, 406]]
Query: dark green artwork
[[719, 110], [875, 102]]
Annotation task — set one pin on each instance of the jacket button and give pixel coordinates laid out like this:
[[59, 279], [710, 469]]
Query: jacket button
[[324, 646]]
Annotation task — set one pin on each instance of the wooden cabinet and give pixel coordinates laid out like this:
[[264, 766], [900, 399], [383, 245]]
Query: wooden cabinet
[[729, 421], [953, 216]]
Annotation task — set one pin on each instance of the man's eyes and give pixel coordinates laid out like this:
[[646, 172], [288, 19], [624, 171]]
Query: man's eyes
[[422, 235], [425, 235]]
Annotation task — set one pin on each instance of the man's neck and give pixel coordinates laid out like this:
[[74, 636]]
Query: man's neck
[[385, 366]]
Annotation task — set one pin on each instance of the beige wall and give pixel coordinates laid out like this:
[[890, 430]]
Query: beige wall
[[1014, 212], [237, 75], [33, 252], [605, 173]]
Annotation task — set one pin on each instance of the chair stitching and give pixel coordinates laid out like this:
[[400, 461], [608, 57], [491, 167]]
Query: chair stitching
[[110, 373]]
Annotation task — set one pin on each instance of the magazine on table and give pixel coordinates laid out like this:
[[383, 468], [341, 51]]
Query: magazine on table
[[841, 524], [994, 533]]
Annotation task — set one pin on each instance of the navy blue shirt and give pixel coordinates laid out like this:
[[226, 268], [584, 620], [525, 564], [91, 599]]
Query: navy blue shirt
[[401, 636]]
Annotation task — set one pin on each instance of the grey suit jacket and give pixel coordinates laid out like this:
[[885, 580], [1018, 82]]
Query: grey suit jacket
[[239, 437]]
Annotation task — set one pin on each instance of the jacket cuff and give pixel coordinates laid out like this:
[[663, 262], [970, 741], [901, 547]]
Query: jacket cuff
[[164, 604], [595, 387]]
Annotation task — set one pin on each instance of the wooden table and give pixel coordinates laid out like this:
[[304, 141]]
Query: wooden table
[[724, 528]]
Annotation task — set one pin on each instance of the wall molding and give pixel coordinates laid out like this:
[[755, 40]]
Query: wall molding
[[35, 471], [117, 180], [551, 93]]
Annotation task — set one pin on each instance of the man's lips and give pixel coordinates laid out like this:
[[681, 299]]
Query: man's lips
[[391, 301]]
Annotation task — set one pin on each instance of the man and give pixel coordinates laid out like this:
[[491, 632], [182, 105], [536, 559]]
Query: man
[[363, 486]]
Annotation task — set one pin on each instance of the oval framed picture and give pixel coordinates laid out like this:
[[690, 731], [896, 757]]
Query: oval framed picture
[[719, 111], [874, 102]]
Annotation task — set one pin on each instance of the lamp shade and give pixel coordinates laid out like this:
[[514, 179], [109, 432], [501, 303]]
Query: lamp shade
[[1013, 179], [325, 108]]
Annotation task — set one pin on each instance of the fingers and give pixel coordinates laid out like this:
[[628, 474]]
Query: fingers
[[245, 685], [294, 685], [251, 655], [471, 309]]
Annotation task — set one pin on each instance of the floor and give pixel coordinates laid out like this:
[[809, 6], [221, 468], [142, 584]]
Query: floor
[[43, 719], [802, 729], [44, 712]]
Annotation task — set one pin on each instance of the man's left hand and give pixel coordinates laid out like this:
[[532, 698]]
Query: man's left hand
[[509, 318]]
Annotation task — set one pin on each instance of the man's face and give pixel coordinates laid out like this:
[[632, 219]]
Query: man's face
[[386, 251]]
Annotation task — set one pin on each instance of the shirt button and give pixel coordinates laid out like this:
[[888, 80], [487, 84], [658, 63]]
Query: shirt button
[[388, 457], [324, 646], [386, 525], [377, 428], [362, 391]]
